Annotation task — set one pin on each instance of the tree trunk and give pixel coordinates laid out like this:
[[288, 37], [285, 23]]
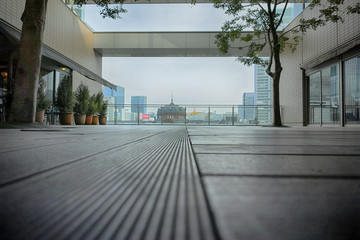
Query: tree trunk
[[276, 117], [23, 107]]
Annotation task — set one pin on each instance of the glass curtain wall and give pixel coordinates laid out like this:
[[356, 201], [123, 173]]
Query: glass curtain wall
[[352, 90], [324, 96], [315, 98], [330, 95], [52, 80]]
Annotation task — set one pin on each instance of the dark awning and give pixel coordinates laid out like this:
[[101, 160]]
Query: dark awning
[[56, 56]]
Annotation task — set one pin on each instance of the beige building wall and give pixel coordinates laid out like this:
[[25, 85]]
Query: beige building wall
[[65, 33], [315, 44]]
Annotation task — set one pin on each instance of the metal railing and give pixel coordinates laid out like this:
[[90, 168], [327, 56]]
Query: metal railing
[[220, 115]]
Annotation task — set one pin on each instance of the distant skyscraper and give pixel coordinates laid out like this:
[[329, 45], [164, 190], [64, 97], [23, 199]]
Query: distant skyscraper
[[138, 103], [247, 111], [118, 94], [111, 110], [263, 93]]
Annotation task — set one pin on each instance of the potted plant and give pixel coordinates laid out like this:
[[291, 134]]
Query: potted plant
[[98, 103], [102, 113], [82, 96], [64, 101], [91, 110], [42, 103]]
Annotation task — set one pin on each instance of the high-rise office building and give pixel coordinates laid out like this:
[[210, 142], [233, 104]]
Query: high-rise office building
[[247, 110], [118, 94], [263, 93], [138, 104], [117, 104]]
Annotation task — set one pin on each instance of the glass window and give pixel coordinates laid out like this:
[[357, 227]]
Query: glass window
[[324, 96], [330, 95], [352, 90], [315, 98], [49, 85]]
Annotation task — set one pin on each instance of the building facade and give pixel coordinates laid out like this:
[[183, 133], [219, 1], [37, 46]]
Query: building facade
[[171, 113], [138, 104], [67, 53], [118, 94], [247, 110], [320, 80], [263, 95]]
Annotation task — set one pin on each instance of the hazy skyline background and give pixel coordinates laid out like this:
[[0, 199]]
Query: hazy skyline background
[[211, 80]]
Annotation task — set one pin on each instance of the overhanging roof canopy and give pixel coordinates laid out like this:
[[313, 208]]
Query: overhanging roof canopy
[[58, 57]]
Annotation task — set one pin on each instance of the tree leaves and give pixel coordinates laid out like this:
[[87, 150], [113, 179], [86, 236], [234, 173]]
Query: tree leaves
[[108, 10], [354, 9]]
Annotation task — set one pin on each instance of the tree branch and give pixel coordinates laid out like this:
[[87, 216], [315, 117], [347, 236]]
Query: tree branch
[[282, 15], [262, 8]]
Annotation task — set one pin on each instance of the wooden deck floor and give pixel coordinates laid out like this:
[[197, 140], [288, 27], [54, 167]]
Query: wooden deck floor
[[173, 182]]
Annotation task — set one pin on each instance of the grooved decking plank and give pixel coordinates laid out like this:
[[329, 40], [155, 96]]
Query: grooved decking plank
[[148, 189], [74, 145]]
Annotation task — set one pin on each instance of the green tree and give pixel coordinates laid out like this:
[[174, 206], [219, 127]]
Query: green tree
[[99, 98], [265, 18], [93, 106], [64, 96], [82, 96], [23, 107]]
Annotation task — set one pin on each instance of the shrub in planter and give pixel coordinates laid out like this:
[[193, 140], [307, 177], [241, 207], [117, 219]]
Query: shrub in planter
[[92, 108], [64, 101], [42, 103], [82, 96], [98, 102], [102, 113]]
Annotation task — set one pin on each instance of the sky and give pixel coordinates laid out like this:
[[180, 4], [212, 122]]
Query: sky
[[220, 80]]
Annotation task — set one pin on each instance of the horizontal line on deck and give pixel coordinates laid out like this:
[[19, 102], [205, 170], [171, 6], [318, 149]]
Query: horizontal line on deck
[[344, 177], [268, 145], [279, 154]]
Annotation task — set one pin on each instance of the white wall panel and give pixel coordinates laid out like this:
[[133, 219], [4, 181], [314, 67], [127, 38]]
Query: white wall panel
[[151, 40], [127, 40], [104, 39], [198, 40], [174, 40]]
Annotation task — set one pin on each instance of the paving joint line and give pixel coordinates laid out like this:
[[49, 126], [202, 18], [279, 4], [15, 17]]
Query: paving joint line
[[274, 176], [280, 154], [213, 221]]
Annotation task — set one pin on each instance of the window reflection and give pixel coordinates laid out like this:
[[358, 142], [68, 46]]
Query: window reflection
[[352, 90], [330, 95], [315, 98], [324, 96]]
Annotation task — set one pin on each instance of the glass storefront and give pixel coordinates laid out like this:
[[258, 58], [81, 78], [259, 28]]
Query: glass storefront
[[324, 96], [52, 80], [352, 90], [315, 98], [330, 95]]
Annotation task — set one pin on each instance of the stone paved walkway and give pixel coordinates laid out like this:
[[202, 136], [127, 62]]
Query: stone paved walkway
[[172, 182]]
